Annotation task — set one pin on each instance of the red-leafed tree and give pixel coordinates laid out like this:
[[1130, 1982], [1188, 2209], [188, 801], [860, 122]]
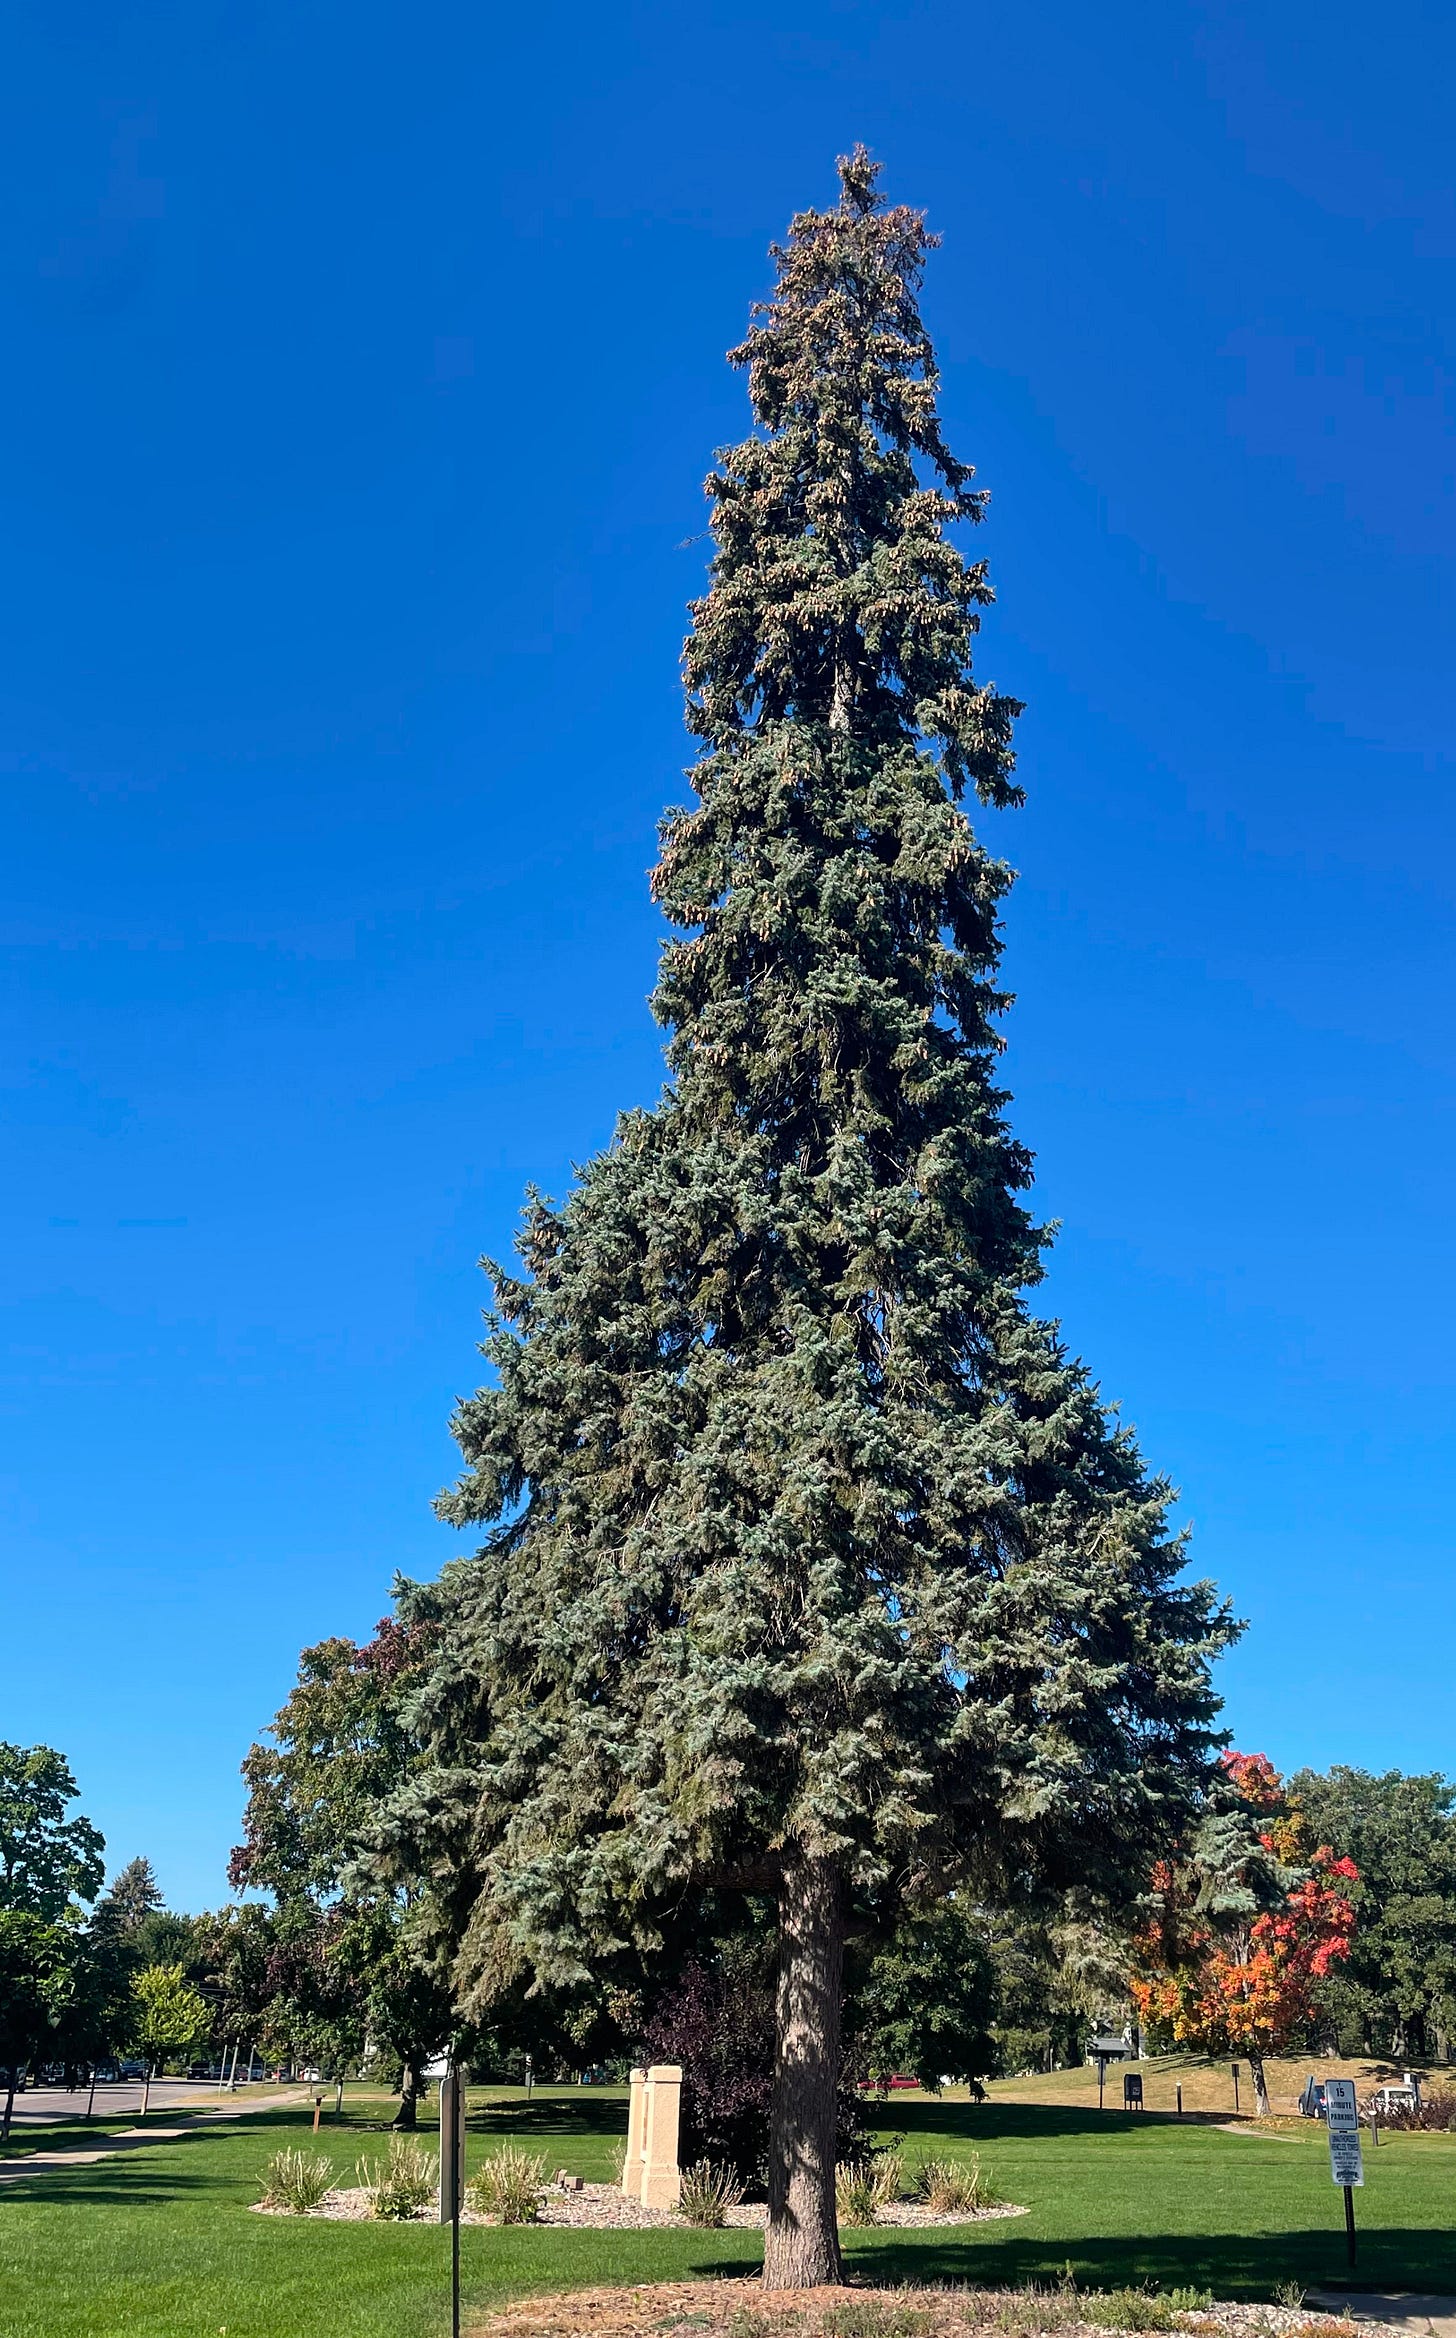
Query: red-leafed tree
[[1242, 1927]]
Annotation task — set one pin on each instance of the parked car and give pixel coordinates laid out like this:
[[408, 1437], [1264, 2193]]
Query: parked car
[[1392, 2098]]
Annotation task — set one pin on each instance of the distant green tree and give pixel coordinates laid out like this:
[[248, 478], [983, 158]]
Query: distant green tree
[[233, 1964], [925, 2004], [1397, 1992], [168, 2017], [163, 1937], [1054, 1983], [38, 1961], [815, 1565], [132, 1894], [344, 1969], [47, 1860]]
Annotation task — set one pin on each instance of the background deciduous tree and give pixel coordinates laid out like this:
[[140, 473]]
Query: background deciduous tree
[[924, 2003], [344, 1972], [1395, 1993], [168, 2017], [47, 1859], [1244, 1927], [815, 1566], [37, 1982]]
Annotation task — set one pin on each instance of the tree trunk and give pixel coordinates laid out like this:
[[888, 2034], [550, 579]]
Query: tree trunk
[[146, 2092], [801, 2247], [406, 2118], [1261, 2086], [9, 2110]]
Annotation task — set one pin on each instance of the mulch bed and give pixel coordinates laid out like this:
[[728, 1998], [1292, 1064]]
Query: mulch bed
[[744, 2309]]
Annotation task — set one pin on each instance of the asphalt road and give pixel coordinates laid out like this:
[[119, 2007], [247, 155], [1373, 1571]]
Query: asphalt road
[[117, 2099]]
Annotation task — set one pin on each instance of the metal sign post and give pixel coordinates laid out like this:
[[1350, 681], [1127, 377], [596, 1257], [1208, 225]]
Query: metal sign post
[[1235, 2069], [1342, 2124], [452, 2177]]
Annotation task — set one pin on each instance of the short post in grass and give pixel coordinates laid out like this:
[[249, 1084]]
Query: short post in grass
[[1235, 2068], [452, 2176], [1342, 2127], [1178, 2090]]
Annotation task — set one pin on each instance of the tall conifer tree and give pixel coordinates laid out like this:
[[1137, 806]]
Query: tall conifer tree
[[816, 1567]]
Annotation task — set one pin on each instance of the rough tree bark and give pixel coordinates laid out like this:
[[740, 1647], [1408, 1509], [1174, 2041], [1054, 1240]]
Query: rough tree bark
[[406, 2119], [1261, 2085], [801, 2248]]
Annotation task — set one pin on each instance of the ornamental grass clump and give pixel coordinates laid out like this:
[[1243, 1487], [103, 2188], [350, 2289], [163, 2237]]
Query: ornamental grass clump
[[295, 2181], [862, 2187], [709, 2190], [952, 2187], [398, 2187], [508, 2186]]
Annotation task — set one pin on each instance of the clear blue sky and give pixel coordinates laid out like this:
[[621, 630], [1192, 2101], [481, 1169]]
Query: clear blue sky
[[362, 367]]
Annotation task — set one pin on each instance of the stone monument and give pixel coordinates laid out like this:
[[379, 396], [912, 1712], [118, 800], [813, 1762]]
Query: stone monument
[[650, 2172]]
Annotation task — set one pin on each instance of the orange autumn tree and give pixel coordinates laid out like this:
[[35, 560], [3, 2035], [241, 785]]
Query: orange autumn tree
[[1242, 1926]]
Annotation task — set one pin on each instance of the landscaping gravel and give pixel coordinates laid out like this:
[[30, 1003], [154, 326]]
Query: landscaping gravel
[[602, 2207]]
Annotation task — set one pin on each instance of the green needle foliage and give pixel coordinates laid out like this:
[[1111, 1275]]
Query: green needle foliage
[[815, 1564]]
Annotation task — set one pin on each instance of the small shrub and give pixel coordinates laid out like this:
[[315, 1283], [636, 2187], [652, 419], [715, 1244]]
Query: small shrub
[[952, 2187], [1025, 2313], [1289, 2294], [508, 2185], [1128, 2309], [874, 2320], [709, 2189], [400, 2186], [296, 2181], [1195, 2301], [1435, 2113], [862, 2187]]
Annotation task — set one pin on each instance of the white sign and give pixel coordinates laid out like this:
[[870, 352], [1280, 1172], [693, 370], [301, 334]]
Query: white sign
[[1341, 2109], [1342, 2122]]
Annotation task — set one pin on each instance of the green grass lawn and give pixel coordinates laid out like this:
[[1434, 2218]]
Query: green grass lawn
[[158, 2243]]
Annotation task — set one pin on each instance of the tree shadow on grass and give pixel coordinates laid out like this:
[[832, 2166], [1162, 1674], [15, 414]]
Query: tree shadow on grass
[[1231, 2265], [586, 2115], [1004, 2122]]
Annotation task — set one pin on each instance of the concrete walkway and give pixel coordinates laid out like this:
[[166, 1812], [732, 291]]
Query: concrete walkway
[[35, 2163], [1424, 2317]]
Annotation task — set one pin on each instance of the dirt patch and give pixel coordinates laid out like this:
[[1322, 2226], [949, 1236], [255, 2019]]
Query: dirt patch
[[744, 2309]]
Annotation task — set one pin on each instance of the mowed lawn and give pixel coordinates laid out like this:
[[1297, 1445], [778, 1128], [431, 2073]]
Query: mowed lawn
[[159, 2243]]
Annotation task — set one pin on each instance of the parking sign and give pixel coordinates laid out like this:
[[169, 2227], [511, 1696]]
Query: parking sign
[[1342, 2123]]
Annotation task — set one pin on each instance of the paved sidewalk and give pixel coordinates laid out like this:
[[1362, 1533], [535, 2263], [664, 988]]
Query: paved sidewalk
[[34, 2163], [1424, 2317]]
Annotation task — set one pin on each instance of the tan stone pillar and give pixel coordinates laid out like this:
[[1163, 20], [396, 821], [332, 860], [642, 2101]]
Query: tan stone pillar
[[661, 2176], [636, 2136]]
